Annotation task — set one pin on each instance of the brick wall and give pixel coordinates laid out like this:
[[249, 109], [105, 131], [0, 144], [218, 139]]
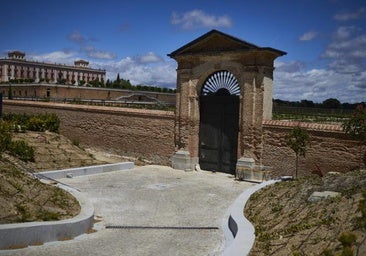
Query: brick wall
[[150, 133], [329, 150], [134, 132], [79, 92]]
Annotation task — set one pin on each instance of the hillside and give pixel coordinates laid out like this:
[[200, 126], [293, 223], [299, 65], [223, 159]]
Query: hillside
[[24, 198], [288, 223]]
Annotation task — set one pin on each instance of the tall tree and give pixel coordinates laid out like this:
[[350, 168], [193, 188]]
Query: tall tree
[[331, 103], [118, 80]]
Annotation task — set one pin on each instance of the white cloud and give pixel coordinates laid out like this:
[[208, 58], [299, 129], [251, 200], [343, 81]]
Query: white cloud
[[308, 36], [150, 72], [294, 82], [199, 19], [77, 37], [98, 54], [346, 52], [342, 77], [86, 47], [150, 57], [350, 15], [148, 69], [343, 32], [59, 57]]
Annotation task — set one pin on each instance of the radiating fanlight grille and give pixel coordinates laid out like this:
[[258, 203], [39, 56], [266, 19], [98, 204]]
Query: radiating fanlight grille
[[221, 80]]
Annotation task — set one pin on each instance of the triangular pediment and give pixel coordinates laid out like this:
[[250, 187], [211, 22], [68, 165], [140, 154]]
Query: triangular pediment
[[216, 42]]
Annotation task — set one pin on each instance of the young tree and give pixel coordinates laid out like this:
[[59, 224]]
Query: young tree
[[297, 140], [355, 126]]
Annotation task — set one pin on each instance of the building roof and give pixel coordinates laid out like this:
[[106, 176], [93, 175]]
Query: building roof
[[217, 41], [82, 61], [16, 53]]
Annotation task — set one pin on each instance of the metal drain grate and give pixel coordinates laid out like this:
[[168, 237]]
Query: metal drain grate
[[161, 227]]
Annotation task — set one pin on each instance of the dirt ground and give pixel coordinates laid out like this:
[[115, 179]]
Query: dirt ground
[[287, 223], [24, 198]]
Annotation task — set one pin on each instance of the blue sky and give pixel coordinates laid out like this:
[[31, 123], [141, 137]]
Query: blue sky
[[325, 40]]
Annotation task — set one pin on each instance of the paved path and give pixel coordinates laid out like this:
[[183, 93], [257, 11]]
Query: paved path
[[151, 196]]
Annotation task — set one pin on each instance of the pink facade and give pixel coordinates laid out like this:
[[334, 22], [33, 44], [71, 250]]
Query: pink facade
[[17, 67]]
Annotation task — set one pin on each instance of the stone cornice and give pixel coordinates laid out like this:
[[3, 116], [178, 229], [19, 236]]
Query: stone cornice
[[49, 65]]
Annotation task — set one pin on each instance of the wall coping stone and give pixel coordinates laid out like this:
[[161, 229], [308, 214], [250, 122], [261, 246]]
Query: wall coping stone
[[309, 126]]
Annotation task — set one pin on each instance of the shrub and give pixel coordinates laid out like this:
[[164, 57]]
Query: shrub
[[5, 136], [361, 221], [48, 215], [38, 122], [347, 239], [21, 149], [356, 125], [52, 122], [35, 123]]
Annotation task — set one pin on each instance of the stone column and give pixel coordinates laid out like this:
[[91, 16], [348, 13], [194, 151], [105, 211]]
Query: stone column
[[249, 165], [186, 156], [12, 72], [4, 73]]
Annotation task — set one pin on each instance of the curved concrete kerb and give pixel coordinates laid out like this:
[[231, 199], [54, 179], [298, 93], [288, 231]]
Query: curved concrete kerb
[[24, 234], [241, 235]]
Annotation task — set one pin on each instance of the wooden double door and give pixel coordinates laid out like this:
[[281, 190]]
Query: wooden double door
[[218, 134]]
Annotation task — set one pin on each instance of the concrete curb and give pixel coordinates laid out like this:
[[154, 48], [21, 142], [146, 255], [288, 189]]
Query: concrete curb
[[24, 234], [239, 232], [87, 170]]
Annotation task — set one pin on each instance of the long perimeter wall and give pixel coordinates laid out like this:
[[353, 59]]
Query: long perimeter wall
[[329, 150], [133, 132], [150, 134]]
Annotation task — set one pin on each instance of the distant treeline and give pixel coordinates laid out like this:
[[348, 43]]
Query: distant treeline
[[121, 83], [330, 103]]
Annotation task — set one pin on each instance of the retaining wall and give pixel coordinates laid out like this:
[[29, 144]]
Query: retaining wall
[[79, 92], [134, 132], [150, 133], [330, 149]]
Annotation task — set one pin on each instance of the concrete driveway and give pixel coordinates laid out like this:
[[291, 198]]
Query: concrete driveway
[[151, 210]]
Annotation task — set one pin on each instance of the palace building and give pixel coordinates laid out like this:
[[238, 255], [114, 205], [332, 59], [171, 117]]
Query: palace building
[[16, 67]]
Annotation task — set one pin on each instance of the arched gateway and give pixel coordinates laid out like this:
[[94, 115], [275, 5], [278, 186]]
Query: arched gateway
[[219, 122], [224, 91]]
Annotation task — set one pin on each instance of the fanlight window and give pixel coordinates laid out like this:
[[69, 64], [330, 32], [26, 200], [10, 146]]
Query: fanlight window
[[221, 81]]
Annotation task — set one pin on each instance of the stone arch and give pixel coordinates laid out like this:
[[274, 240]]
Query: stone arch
[[209, 69], [222, 79], [197, 60], [219, 122]]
